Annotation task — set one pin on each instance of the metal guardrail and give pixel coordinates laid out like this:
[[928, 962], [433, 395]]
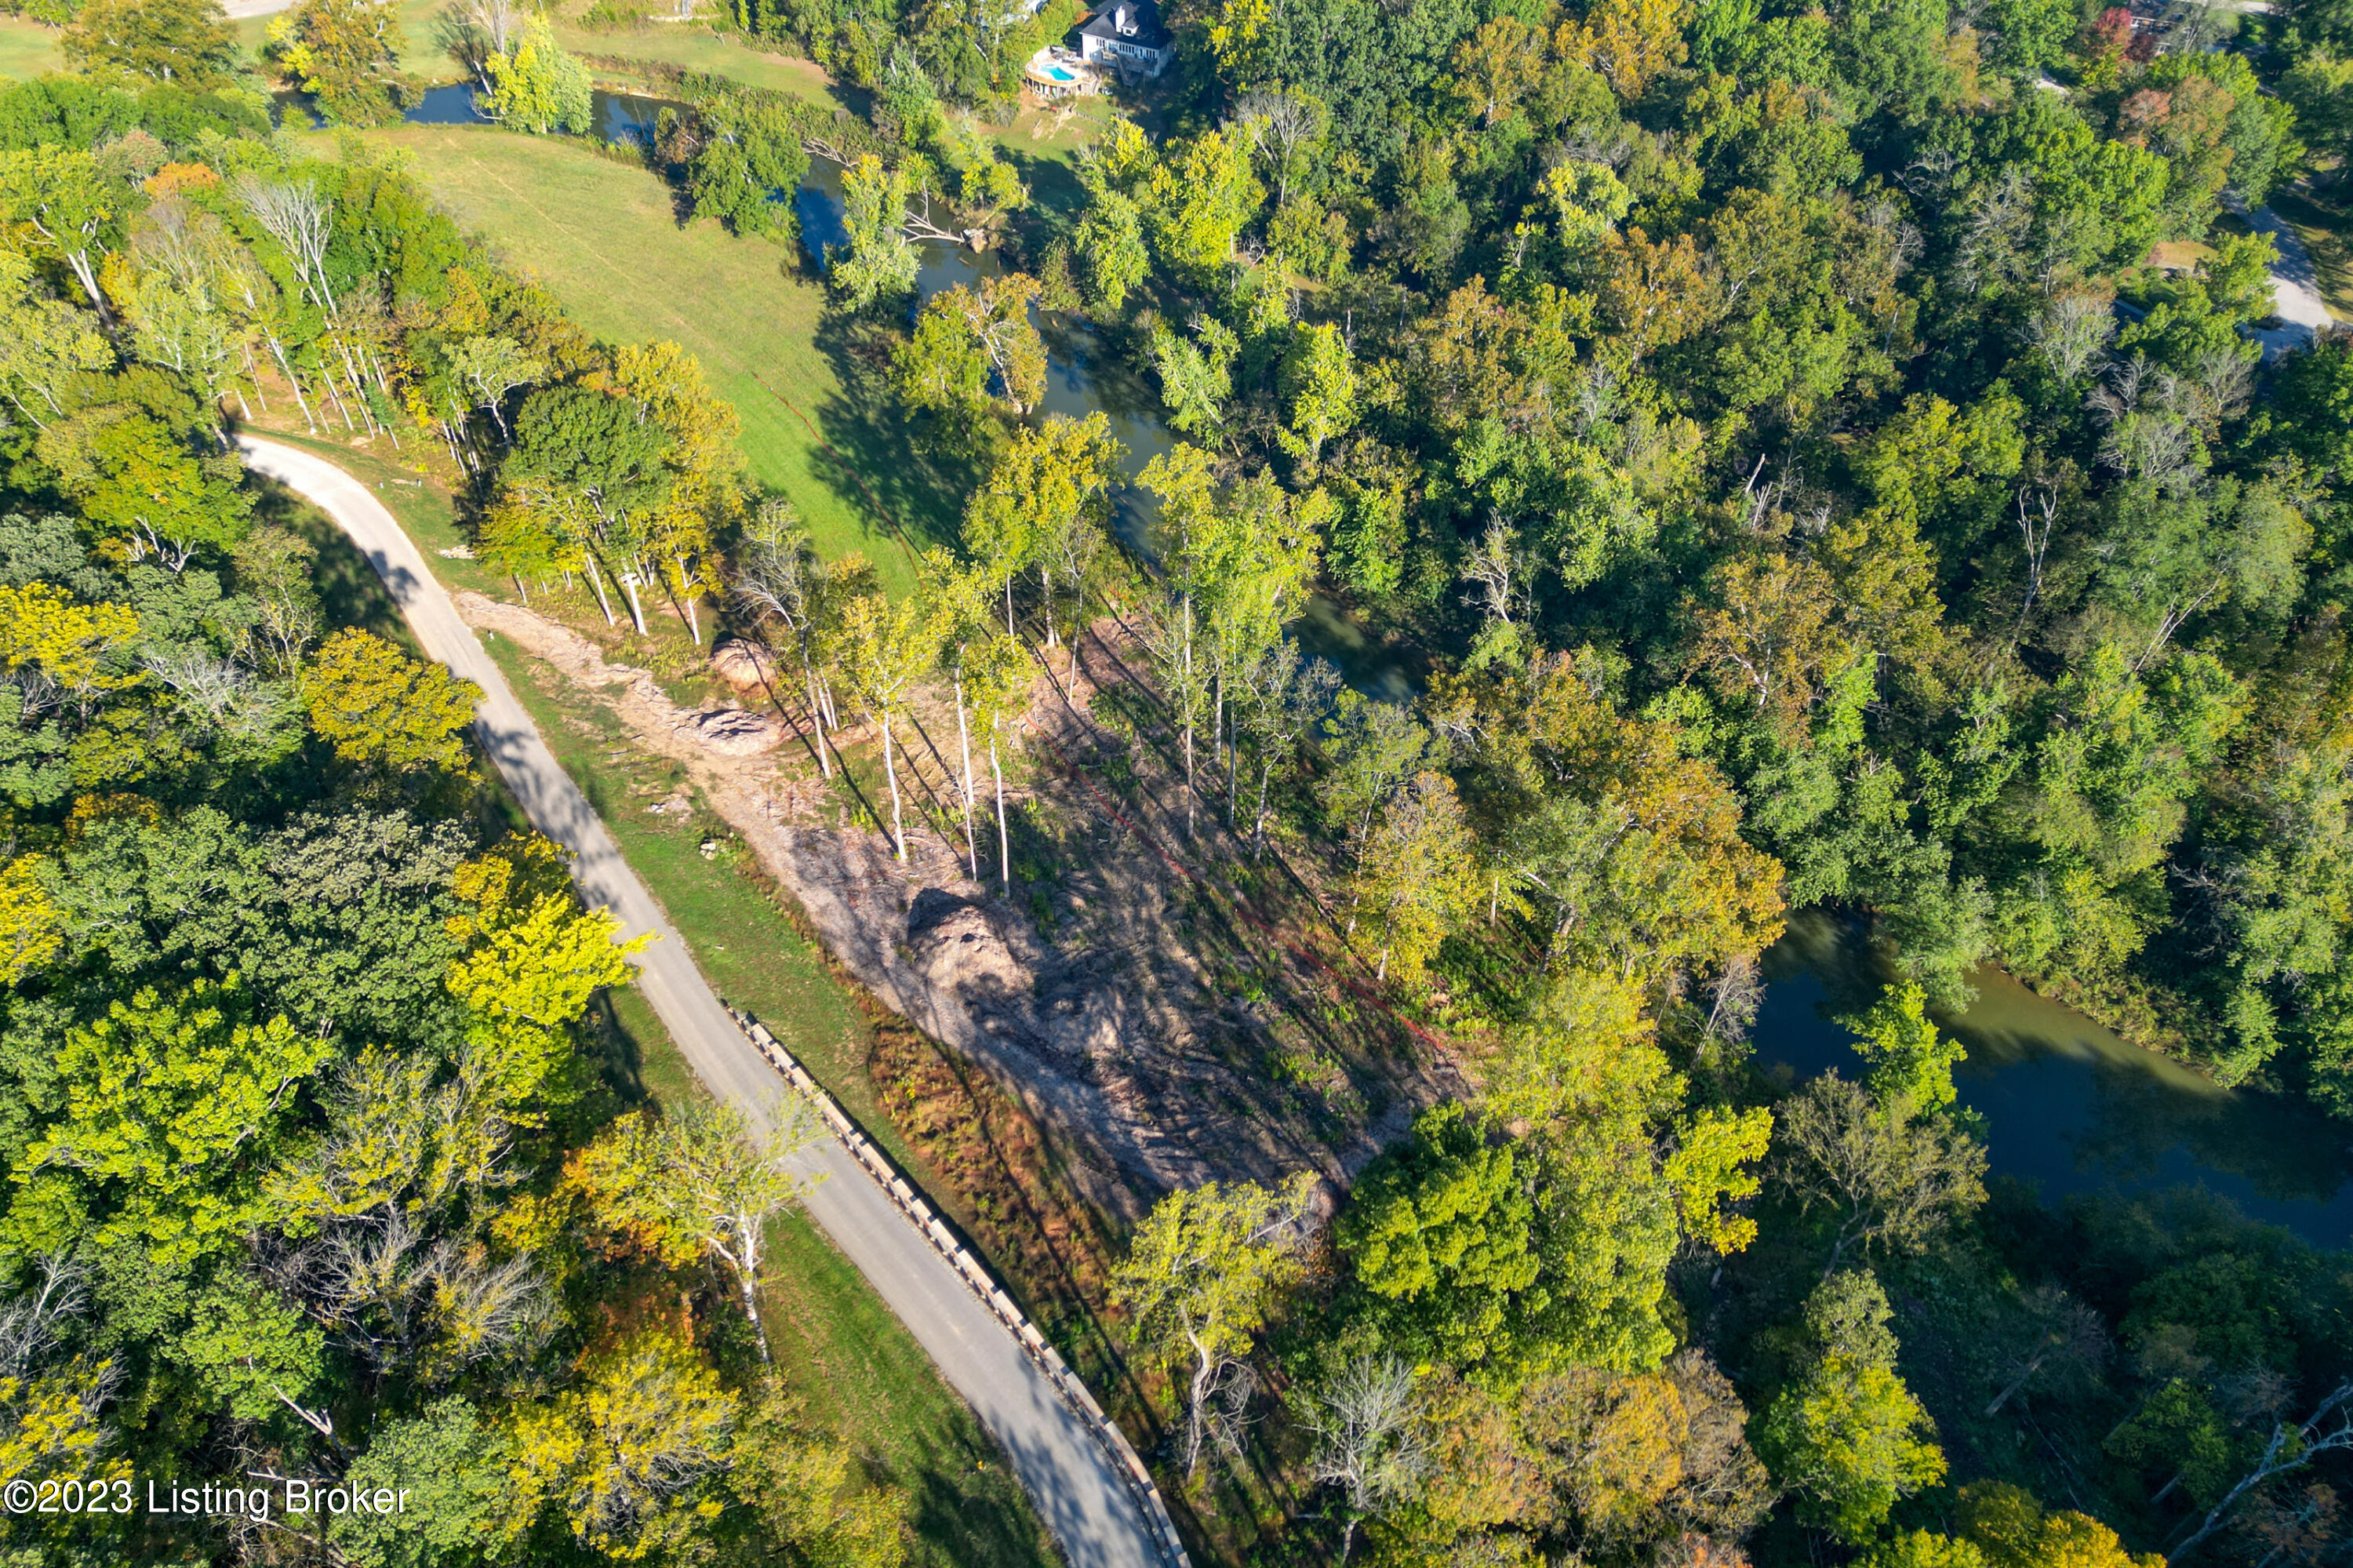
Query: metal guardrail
[[1125, 1463]]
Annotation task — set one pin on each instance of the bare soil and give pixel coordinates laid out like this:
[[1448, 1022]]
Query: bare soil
[[1175, 1013]]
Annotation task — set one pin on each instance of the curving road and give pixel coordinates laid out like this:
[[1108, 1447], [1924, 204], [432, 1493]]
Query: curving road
[[1081, 1499]]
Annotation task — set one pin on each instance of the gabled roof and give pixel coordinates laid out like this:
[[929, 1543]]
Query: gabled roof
[[1135, 22]]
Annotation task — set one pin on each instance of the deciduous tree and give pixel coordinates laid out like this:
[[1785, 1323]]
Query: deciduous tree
[[384, 709], [1891, 1179], [1207, 1266]]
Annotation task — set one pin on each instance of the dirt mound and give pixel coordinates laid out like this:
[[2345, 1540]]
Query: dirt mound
[[742, 664], [1113, 1029], [732, 732]]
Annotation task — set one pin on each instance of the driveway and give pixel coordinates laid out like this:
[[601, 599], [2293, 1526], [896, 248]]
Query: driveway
[[1081, 1499], [2295, 291]]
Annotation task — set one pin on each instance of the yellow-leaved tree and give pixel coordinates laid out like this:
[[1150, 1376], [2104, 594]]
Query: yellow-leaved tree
[[533, 961], [30, 935], [629, 1453], [699, 1182], [382, 708]]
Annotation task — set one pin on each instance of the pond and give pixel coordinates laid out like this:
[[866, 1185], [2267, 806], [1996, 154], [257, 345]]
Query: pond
[[2068, 1107]]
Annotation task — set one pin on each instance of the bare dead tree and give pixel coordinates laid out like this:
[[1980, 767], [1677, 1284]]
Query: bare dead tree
[[1369, 1441], [2292, 1446], [298, 219], [1281, 126], [2035, 524]]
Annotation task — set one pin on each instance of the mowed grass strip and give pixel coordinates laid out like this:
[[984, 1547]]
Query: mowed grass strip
[[836, 1344], [699, 46], [604, 237], [28, 49]]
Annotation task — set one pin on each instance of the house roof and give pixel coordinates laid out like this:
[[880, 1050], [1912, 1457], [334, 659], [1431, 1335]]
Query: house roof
[[1135, 22]]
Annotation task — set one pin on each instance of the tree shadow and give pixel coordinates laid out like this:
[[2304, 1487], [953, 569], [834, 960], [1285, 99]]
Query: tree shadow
[[873, 455], [350, 591]]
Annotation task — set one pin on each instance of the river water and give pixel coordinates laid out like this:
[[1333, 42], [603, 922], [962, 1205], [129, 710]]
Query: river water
[[617, 116], [2069, 1107]]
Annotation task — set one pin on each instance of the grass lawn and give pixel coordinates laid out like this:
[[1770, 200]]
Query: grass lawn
[[819, 423], [697, 46], [27, 48]]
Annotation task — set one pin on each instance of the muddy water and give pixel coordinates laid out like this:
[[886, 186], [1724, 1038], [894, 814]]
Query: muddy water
[[2068, 1107]]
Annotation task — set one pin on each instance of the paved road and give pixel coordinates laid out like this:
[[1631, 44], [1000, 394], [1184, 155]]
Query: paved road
[[1081, 1499], [2296, 289]]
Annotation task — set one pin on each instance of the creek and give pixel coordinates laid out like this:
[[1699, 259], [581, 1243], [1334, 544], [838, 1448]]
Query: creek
[[2068, 1107], [617, 116]]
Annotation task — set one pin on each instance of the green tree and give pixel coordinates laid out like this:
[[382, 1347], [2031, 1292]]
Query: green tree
[[575, 444], [1205, 1269], [1322, 377], [346, 55], [1109, 242], [970, 344], [1911, 1062], [1417, 879], [751, 148], [997, 678], [139, 481], [44, 342], [171, 1107], [886, 646], [1846, 1436], [537, 86], [185, 42], [63, 200], [877, 262], [254, 1352], [452, 1465], [1441, 1226], [1197, 376], [1891, 1178], [2320, 88], [1198, 200]]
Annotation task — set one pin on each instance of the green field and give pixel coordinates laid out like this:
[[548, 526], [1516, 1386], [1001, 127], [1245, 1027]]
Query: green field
[[696, 47], [27, 48], [819, 424]]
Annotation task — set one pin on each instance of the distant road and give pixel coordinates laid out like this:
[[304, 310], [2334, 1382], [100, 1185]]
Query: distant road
[[239, 9], [1081, 1499]]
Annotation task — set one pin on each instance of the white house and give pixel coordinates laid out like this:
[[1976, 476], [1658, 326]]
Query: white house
[[1126, 37]]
